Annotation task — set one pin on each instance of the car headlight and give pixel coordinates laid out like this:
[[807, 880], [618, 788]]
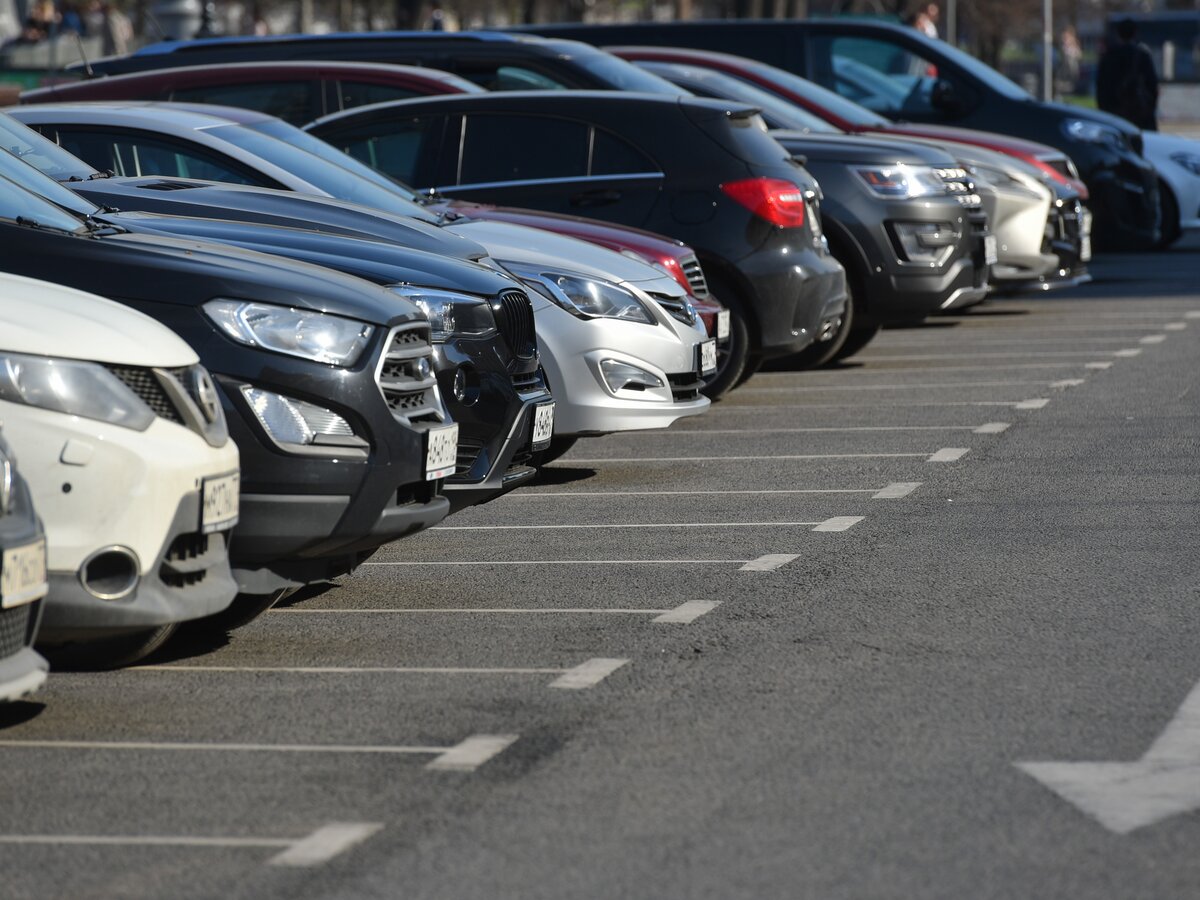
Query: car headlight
[[1190, 161], [585, 297], [305, 333], [1092, 132], [904, 182], [76, 388], [451, 314]]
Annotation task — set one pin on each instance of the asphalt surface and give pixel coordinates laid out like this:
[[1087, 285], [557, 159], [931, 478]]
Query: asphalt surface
[[978, 548]]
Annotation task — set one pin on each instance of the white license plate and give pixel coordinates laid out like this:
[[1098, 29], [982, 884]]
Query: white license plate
[[441, 452], [219, 502], [708, 357], [1085, 248], [990, 249], [543, 425], [722, 325], [23, 574]]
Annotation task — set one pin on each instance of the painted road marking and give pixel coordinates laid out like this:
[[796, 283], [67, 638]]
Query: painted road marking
[[1071, 382], [1099, 365], [810, 430], [324, 844], [1134, 351], [471, 753], [173, 746], [949, 454], [588, 674], [757, 408], [1175, 326], [1192, 314], [620, 525], [1036, 403], [893, 386], [876, 493], [1153, 339], [769, 563], [992, 428], [896, 490], [688, 612], [678, 459], [1035, 354], [564, 562], [1125, 796], [839, 523]]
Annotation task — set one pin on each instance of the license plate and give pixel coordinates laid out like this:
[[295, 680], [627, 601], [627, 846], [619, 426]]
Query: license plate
[[543, 425], [722, 325], [708, 357], [1085, 248], [989, 249], [219, 502], [23, 574], [441, 452]]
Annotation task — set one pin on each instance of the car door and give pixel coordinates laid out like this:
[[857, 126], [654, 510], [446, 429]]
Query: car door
[[558, 164], [889, 76]]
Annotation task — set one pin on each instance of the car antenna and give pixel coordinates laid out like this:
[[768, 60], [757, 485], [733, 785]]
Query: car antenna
[[87, 65]]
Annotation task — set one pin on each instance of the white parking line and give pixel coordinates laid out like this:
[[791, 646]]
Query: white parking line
[[991, 428], [564, 562], [588, 674], [1036, 403], [1134, 351], [324, 844], [1192, 314], [759, 407], [839, 523], [1034, 354], [769, 563], [876, 493], [1153, 339], [1073, 382], [809, 430], [619, 525], [181, 746], [896, 490], [1099, 365], [1175, 326], [893, 386], [686, 612], [949, 454], [590, 666], [679, 459], [470, 754]]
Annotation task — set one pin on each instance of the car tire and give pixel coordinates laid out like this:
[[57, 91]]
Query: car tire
[[1170, 230], [735, 358], [857, 339], [108, 653], [558, 447], [820, 354]]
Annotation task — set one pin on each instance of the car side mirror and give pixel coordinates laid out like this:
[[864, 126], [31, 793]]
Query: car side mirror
[[945, 98]]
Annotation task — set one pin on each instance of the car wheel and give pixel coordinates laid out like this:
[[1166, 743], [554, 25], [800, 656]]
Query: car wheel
[[244, 609], [558, 446], [108, 653], [1171, 231], [822, 353], [857, 339], [734, 358]]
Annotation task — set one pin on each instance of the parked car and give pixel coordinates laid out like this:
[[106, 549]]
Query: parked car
[[326, 381], [23, 581], [1177, 160], [127, 456], [941, 85], [701, 171], [1015, 196], [296, 92]]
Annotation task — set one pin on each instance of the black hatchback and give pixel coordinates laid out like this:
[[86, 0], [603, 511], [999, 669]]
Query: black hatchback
[[702, 171]]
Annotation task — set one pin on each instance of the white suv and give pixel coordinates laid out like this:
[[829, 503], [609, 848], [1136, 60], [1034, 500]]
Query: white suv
[[124, 446]]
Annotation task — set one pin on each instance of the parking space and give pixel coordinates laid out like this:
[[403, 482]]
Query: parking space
[[401, 700]]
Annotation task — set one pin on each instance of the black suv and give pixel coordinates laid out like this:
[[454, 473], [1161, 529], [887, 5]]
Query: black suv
[[701, 171], [326, 381], [936, 83]]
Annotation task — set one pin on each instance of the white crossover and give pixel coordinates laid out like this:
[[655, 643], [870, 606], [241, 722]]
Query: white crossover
[[1178, 162]]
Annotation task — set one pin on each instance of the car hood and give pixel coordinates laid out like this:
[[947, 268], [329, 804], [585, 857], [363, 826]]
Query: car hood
[[535, 247], [47, 319], [1158, 146], [1000, 142], [206, 199], [852, 149], [372, 260]]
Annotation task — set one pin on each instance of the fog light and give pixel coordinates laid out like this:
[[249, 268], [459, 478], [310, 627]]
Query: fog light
[[926, 242], [293, 422], [623, 377]]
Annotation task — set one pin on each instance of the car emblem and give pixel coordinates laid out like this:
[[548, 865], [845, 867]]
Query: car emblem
[[206, 394], [423, 368], [6, 483]]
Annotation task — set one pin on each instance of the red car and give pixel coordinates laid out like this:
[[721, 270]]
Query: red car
[[850, 117]]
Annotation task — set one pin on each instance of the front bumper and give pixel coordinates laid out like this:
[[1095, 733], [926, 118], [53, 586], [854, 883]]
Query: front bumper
[[22, 670], [1124, 199]]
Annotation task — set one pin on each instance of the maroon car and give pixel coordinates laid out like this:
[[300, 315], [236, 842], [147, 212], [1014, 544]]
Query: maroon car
[[855, 119]]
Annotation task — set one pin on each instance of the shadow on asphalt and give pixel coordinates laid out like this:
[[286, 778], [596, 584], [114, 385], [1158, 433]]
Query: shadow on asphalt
[[19, 712], [553, 474]]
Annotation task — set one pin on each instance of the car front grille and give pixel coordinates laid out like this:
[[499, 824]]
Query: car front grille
[[530, 382], [514, 318], [468, 454], [677, 308], [14, 628], [685, 386], [406, 378], [149, 389], [694, 274]]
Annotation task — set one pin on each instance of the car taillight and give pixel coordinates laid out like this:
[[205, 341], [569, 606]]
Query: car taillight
[[778, 201]]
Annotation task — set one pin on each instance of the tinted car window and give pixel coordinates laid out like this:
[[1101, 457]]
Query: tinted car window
[[17, 203], [131, 154], [291, 101], [41, 152], [495, 77], [363, 93], [394, 147], [514, 148], [612, 155]]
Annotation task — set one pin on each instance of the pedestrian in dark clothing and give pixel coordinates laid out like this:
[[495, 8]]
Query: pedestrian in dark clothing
[[1126, 83]]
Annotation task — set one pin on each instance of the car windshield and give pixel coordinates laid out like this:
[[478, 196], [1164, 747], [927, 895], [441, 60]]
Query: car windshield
[[333, 178], [20, 206], [29, 177], [40, 152], [619, 74], [778, 112], [972, 66], [844, 109]]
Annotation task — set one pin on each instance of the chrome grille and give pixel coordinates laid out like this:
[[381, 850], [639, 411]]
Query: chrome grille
[[694, 274], [677, 308], [405, 376], [14, 628], [514, 318]]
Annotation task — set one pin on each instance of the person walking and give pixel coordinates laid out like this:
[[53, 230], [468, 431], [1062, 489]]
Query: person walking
[[1126, 83]]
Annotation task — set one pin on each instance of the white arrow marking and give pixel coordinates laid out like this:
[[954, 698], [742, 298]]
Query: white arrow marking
[[1126, 796]]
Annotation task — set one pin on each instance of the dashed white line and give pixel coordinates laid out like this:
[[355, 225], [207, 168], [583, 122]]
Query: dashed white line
[[839, 523], [992, 428], [949, 454], [1071, 382], [1192, 314], [679, 459], [1175, 326], [1126, 354], [145, 840], [531, 494], [181, 746], [687, 612], [562, 562], [769, 563], [612, 525], [324, 844], [588, 674], [1153, 339], [818, 429], [896, 490], [471, 753], [1034, 403], [1100, 365]]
